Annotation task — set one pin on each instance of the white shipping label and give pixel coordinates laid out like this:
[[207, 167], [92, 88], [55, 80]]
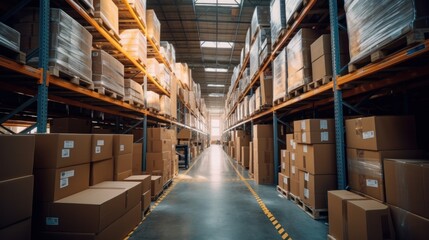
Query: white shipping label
[[303, 125], [292, 156], [122, 147], [97, 149], [304, 137], [285, 180], [306, 177], [305, 148], [293, 169], [372, 183], [323, 124], [283, 165], [67, 174], [324, 136], [69, 144], [368, 134], [52, 221], [306, 193], [100, 142], [64, 182], [284, 153], [65, 153]]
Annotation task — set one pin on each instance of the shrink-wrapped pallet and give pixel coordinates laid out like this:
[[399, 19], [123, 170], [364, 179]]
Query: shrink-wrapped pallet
[[261, 17], [134, 92], [140, 7], [134, 42], [264, 43], [9, 37], [164, 77], [153, 26], [153, 67], [247, 43], [254, 58], [291, 7], [165, 105], [280, 76], [107, 72], [107, 11], [278, 19], [152, 100]]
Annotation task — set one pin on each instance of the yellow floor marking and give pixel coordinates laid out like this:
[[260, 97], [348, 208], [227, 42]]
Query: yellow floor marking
[[284, 236], [275, 222], [278, 226], [281, 230]]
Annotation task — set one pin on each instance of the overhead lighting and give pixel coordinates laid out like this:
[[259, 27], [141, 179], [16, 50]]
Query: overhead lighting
[[215, 85], [219, 3], [219, 70], [214, 44], [216, 95]]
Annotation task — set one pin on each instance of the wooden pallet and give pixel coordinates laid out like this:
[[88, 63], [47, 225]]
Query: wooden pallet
[[390, 46], [278, 38], [133, 102], [296, 13], [86, 5], [294, 198], [165, 115], [64, 73], [317, 83], [16, 56], [146, 211], [315, 213], [283, 192], [168, 184], [280, 100], [108, 92], [154, 198], [297, 91], [107, 27]]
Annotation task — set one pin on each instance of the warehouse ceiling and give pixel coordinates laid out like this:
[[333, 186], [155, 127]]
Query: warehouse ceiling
[[190, 25]]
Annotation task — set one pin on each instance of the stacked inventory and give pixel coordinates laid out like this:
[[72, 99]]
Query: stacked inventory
[[134, 42], [107, 73], [102, 163], [152, 101], [159, 153], [122, 156], [280, 76], [165, 105], [9, 37], [263, 159], [140, 8], [107, 12], [146, 189], [278, 19], [133, 93], [242, 148]]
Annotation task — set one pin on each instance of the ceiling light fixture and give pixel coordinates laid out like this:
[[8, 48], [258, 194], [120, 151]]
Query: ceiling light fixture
[[215, 85], [217, 70], [219, 3], [216, 95], [214, 44]]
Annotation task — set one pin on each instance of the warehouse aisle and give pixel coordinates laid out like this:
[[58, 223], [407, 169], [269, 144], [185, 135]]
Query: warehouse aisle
[[210, 201]]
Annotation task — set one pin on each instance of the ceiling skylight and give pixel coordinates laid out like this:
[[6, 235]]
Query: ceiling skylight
[[220, 3], [214, 44], [215, 85], [216, 95], [218, 70]]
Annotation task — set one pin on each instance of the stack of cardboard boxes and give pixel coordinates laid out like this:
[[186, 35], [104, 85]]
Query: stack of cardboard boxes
[[146, 189], [159, 153], [251, 161], [16, 186], [242, 147], [102, 163], [263, 158], [122, 156]]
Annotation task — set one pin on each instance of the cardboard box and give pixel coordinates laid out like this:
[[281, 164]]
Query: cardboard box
[[245, 156], [322, 67], [61, 150], [16, 200], [314, 137], [337, 206], [316, 158], [133, 191], [320, 47], [251, 163], [70, 125], [158, 133], [101, 171], [285, 162], [290, 142], [121, 176], [262, 131], [184, 133], [53, 184], [155, 146], [284, 182], [123, 163], [146, 200], [263, 160], [408, 225], [313, 189], [365, 169], [122, 144], [294, 187], [108, 12], [137, 158], [89, 211], [369, 219], [144, 179], [381, 133], [314, 125], [12, 156], [155, 161], [20, 230], [156, 185], [102, 147], [294, 171], [407, 185]]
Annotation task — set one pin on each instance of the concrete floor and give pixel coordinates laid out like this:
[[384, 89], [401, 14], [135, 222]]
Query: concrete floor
[[211, 201]]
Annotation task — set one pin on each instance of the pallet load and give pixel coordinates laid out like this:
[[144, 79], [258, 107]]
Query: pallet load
[[146, 189], [153, 68], [164, 77], [252, 104], [70, 45], [299, 60], [263, 154], [107, 74], [278, 20], [165, 105], [158, 156], [247, 42], [107, 13], [254, 57], [140, 7], [292, 8], [371, 32], [260, 18], [280, 77], [123, 156], [264, 93], [152, 100], [264, 44], [241, 139], [10, 41], [133, 93], [134, 42], [153, 27], [169, 53]]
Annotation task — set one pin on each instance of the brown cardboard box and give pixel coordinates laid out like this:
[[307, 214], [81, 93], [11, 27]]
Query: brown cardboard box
[[16, 200], [133, 191], [70, 125], [294, 171], [290, 142], [89, 211], [240, 142], [146, 199], [123, 163], [102, 147], [61, 150], [314, 137], [263, 160], [245, 156], [108, 12], [322, 46], [121, 176], [184, 133], [313, 189], [239, 133], [155, 161], [284, 182], [251, 163], [322, 67], [365, 169], [285, 162], [137, 159], [337, 206], [20, 230], [12, 156], [316, 158], [369, 219], [294, 187], [408, 225], [159, 145], [407, 185], [262, 131], [157, 133], [156, 185], [381, 133], [53, 184], [101, 171], [144, 179], [314, 125], [122, 144]]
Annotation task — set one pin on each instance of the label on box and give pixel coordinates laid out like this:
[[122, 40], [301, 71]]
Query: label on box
[[294, 145], [372, 183], [122, 147], [368, 134], [323, 124], [285, 180], [292, 156], [283, 165], [306, 193], [306, 177], [304, 137], [69, 144], [64, 182], [302, 125], [305, 148], [52, 221], [284, 153], [97, 149], [293, 169], [100, 142], [65, 153], [324, 136], [67, 174]]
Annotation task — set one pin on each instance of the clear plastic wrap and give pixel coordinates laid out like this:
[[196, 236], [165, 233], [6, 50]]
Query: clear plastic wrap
[[247, 43], [280, 75], [153, 67], [365, 167], [261, 17], [291, 6], [70, 43], [182, 73], [299, 59], [107, 11], [134, 42], [134, 92], [169, 50], [165, 105], [258, 98], [140, 7], [153, 26], [164, 77], [372, 24], [278, 18], [107, 72], [264, 43], [246, 106], [9, 37], [152, 100], [254, 57]]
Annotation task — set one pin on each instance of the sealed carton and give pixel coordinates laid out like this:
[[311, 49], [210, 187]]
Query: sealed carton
[[156, 185], [285, 162], [101, 147], [316, 158], [20, 230], [133, 191], [146, 199], [122, 144], [245, 156], [144, 179], [313, 189], [408, 225], [101, 171], [137, 159], [263, 160], [155, 146], [122, 166], [314, 125], [262, 131], [13, 156]]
